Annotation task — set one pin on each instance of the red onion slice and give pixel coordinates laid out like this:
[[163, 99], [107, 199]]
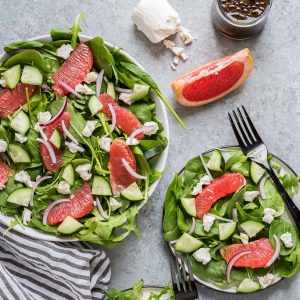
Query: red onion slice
[[49, 149], [113, 117], [68, 133], [121, 90], [47, 210], [99, 83], [140, 130], [261, 187], [45, 87], [131, 171], [235, 215], [35, 186], [101, 210], [69, 89], [220, 218], [232, 261], [5, 158], [59, 114], [276, 253], [193, 227], [205, 167], [105, 79]]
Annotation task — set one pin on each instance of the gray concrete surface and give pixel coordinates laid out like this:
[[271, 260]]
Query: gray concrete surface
[[271, 95]]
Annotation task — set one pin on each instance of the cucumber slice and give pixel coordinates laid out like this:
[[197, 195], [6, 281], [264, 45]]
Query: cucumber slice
[[94, 105], [256, 172], [242, 168], [139, 91], [216, 161], [153, 151], [18, 154], [69, 226], [236, 157], [12, 76], [20, 122], [56, 138], [111, 90], [69, 174], [189, 206], [248, 286], [132, 193], [187, 244], [20, 196], [252, 228], [226, 230], [101, 187], [31, 75]]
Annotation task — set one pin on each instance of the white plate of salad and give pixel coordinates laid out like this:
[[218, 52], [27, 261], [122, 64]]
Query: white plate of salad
[[226, 214], [83, 138]]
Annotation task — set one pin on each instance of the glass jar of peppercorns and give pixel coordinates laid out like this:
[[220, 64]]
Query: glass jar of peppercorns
[[240, 19]]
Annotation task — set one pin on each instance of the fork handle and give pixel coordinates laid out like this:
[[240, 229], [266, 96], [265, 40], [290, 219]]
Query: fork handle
[[294, 211]]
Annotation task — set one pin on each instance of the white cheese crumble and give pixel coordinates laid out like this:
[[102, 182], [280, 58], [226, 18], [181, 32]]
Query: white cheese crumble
[[89, 128], [2, 82], [2, 186], [126, 98], [132, 141], [177, 50], [169, 44], [91, 77], [84, 171], [176, 60], [73, 148], [84, 89], [205, 180], [24, 177], [267, 280], [114, 204], [20, 138], [249, 196], [173, 66], [184, 56], [3, 146], [244, 237], [157, 19], [287, 239], [208, 222], [64, 188], [64, 51], [104, 143], [186, 36], [153, 128], [269, 214], [202, 255], [44, 116], [26, 216]]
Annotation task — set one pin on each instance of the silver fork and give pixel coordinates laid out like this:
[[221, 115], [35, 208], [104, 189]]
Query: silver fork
[[253, 146], [183, 282]]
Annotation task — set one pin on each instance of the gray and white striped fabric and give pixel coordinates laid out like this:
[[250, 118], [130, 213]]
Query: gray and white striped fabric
[[37, 270]]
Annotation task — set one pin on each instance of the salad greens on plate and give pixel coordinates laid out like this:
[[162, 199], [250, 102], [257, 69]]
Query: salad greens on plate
[[78, 135], [226, 214]]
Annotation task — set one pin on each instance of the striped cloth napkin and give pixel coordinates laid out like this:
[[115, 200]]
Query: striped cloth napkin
[[37, 270]]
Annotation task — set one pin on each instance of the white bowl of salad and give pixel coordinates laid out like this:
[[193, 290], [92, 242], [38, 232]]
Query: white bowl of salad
[[83, 138]]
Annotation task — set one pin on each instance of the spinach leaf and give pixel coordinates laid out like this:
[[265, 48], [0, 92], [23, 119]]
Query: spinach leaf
[[237, 157], [60, 34], [33, 145], [290, 183], [134, 294], [142, 111], [75, 29], [22, 45], [237, 197], [182, 221]]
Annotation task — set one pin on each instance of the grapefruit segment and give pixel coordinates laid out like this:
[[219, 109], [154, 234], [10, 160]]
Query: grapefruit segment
[[4, 172], [261, 251], [214, 80], [119, 177], [125, 119], [80, 204], [12, 99], [74, 70], [220, 187]]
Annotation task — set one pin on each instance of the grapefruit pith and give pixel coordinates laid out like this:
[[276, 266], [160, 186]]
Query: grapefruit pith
[[214, 80], [261, 251], [119, 177], [220, 187]]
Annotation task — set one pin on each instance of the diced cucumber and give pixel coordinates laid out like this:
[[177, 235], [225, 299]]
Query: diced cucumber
[[248, 286], [187, 244], [56, 138], [69, 226], [252, 228], [132, 193], [101, 187], [12, 76], [236, 157], [18, 154], [31, 75], [111, 90], [216, 161], [256, 172], [226, 230], [242, 168], [68, 174], [94, 105], [189, 206], [139, 91], [20, 122], [20, 196]]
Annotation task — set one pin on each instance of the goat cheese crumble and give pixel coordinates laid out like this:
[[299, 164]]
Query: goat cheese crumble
[[64, 188], [89, 128], [20, 138], [84, 89], [64, 51], [104, 143], [44, 116], [208, 222], [287, 239], [91, 77], [3, 146], [84, 171], [24, 177], [249, 196], [267, 280], [202, 255], [205, 180], [114, 204], [269, 215]]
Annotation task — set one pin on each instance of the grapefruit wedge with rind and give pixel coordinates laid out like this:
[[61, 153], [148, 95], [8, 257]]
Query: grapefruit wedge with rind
[[261, 251], [214, 80], [80, 204], [119, 176], [220, 187]]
